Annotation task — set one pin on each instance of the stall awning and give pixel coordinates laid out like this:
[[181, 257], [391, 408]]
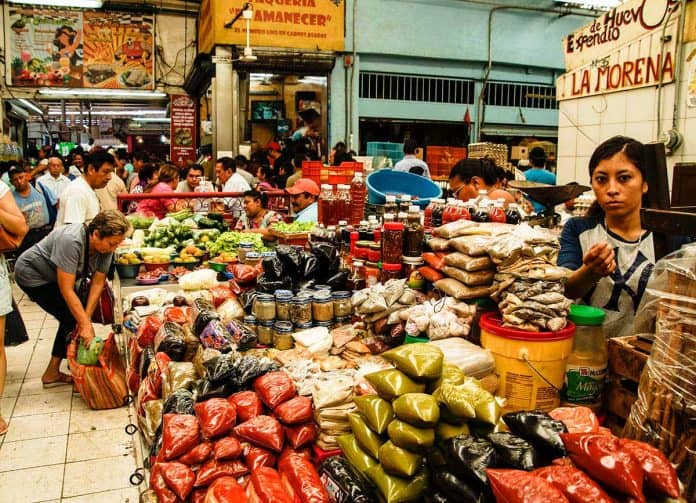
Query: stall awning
[[512, 130], [289, 62]]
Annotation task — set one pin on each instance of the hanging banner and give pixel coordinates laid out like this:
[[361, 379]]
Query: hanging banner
[[182, 144], [625, 23], [44, 46], [118, 50], [295, 24]]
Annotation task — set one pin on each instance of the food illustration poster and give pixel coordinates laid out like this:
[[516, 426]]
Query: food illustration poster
[[46, 46], [118, 50], [183, 129]]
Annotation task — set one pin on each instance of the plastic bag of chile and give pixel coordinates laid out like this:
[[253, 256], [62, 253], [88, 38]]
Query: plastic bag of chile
[[217, 417], [517, 486], [303, 478], [225, 490], [575, 484], [179, 478], [660, 475], [180, 434], [266, 486]]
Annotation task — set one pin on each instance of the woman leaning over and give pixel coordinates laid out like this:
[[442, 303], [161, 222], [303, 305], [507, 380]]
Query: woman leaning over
[[611, 255], [164, 182], [49, 271], [12, 220]]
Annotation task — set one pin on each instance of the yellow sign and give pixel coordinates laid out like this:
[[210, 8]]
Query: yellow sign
[[291, 24]]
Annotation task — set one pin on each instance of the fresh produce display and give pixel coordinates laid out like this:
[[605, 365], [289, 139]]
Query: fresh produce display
[[171, 235], [181, 215], [129, 258], [294, 227], [139, 221], [229, 242]]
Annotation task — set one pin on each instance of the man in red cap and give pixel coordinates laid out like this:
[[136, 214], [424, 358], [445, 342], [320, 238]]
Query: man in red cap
[[304, 194], [273, 151]]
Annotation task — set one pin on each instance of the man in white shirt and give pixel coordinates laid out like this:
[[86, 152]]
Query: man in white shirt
[[79, 202], [227, 176], [191, 180], [77, 166], [410, 163], [54, 179]]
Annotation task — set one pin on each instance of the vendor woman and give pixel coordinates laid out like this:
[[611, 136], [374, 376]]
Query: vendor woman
[[257, 217], [611, 255], [469, 176]]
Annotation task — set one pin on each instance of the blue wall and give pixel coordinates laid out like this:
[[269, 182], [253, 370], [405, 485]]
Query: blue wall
[[448, 38]]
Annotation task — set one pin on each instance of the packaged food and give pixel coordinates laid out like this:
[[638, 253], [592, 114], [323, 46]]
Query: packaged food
[[303, 478], [227, 448], [464, 262], [368, 439], [213, 469], [198, 455], [180, 375], [515, 486], [264, 431], [301, 435], [266, 487], [225, 490], [430, 274], [460, 291], [574, 484], [275, 388], [355, 455], [378, 412], [180, 433], [398, 461], [485, 405], [410, 437], [468, 457], [576, 419], [241, 335], [344, 483], [454, 229], [393, 383], [265, 307], [418, 361], [439, 244], [444, 431], [455, 489], [396, 489], [456, 401], [470, 359], [434, 260], [470, 278], [660, 475], [152, 419], [160, 487], [514, 451], [217, 417], [258, 456], [216, 336], [248, 405], [541, 430], [417, 409], [179, 478], [170, 340], [148, 329], [294, 411]]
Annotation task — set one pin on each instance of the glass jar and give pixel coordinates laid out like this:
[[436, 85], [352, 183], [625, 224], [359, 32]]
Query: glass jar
[[326, 324], [390, 206], [413, 235], [392, 242], [252, 258], [343, 203], [342, 321], [322, 306], [389, 217], [303, 326], [342, 304], [327, 206], [264, 331], [402, 217], [243, 249], [414, 280], [251, 323], [362, 249], [283, 298], [357, 277], [371, 274], [301, 310], [390, 271], [374, 253], [282, 335], [264, 307], [318, 288]]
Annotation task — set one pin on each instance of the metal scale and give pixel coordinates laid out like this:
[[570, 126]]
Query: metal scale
[[548, 195]]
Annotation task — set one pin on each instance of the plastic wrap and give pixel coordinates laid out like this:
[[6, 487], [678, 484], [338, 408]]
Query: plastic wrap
[[248, 405], [665, 413], [230, 310], [515, 486], [225, 490], [460, 291], [541, 430], [148, 329], [301, 435], [393, 383], [398, 461], [179, 402], [356, 456], [466, 263], [264, 431], [275, 388], [217, 417], [410, 437], [514, 451], [344, 483], [227, 448], [294, 411], [178, 315], [243, 337], [213, 469], [378, 412], [170, 339], [469, 278], [180, 433], [203, 279], [417, 409], [418, 361], [198, 455], [575, 484], [455, 229], [303, 478], [397, 489], [179, 478], [180, 375], [266, 486], [468, 457]]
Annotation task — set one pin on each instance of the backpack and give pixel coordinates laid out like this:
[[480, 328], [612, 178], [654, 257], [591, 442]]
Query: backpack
[[52, 208]]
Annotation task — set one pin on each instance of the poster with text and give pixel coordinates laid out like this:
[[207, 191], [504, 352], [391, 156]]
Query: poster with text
[[45, 47], [118, 50], [183, 129]]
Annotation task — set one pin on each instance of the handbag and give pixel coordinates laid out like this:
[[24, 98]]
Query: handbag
[[104, 311], [102, 386], [8, 241]]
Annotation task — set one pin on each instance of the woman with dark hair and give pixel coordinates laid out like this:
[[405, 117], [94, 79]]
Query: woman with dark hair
[[164, 182], [469, 176], [257, 217], [612, 256], [67, 42], [266, 178]]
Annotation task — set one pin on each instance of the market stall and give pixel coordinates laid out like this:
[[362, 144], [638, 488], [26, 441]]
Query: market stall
[[409, 360]]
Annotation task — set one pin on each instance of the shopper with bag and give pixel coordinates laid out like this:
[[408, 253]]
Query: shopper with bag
[[13, 228], [65, 274]]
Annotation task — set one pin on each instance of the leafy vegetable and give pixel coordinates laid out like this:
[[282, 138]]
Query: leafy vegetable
[[294, 227], [139, 221], [229, 242]]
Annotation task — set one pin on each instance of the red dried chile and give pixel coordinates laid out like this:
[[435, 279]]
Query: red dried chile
[[217, 416], [275, 388], [264, 431], [574, 483], [517, 486], [660, 475], [180, 434], [294, 411], [601, 457], [248, 405]]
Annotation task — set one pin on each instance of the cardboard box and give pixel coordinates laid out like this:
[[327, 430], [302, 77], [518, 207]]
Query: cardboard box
[[519, 153]]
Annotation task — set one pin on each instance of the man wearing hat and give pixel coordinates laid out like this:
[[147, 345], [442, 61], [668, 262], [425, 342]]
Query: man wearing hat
[[538, 173], [304, 194]]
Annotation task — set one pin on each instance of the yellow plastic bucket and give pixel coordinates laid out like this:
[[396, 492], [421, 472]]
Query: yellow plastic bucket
[[530, 365]]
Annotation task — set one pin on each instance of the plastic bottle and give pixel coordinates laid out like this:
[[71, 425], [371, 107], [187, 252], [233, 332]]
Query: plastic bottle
[[342, 202], [586, 368], [464, 212], [513, 215], [447, 213], [358, 191], [390, 205], [405, 203], [428, 215], [481, 213], [438, 210], [413, 234], [497, 212], [327, 206]]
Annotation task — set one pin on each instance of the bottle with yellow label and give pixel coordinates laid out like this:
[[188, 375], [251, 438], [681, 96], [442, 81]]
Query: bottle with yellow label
[[586, 368]]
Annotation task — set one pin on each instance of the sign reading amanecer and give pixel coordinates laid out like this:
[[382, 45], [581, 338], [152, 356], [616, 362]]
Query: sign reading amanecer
[[293, 24], [617, 27]]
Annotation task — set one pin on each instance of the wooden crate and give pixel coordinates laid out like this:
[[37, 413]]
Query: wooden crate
[[619, 397], [295, 239], [628, 355]]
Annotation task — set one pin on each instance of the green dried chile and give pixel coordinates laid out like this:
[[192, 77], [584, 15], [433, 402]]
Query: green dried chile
[[410, 437], [368, 439], [398, 461], [377, 411], [457, 400], [397, 489], [392, 383], [418, 361], [443, 430], [358, 459], [417, 409]]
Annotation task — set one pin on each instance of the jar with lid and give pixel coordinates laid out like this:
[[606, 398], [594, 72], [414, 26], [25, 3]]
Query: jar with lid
[[390, 271], [428, 215], [405, 203], [251, 323], [301, 309], [586, 368], [413, 234], [342, 305], [364, 230], [371, 274], [390, 205], [283, 298], [322, 306], [374, 253], [264, 307], [357, 277], [264, 332], [414, 280], [252, 258], [282, 335], [244, 248], [392, 242], [362, 249], [326, 324]]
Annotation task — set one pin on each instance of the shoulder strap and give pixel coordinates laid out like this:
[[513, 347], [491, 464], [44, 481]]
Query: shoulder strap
[[85, 265]]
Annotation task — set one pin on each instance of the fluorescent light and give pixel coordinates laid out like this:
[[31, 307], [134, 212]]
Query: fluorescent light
[[28, 104], [592, 4], [84, 4], [58, 112], [151, 119], [105, 93]]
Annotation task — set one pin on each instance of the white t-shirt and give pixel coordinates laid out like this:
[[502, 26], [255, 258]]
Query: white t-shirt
[[236, 183], [57, 185], [78, 204]]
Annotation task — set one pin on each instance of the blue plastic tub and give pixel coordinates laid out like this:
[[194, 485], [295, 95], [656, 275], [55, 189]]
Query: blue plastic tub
[[387, 181]]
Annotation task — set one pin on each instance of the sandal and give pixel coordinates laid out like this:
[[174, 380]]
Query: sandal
[[63, 379]]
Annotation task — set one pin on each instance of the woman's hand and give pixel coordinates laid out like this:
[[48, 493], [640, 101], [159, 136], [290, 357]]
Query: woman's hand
[[86, 333], [600, 260]]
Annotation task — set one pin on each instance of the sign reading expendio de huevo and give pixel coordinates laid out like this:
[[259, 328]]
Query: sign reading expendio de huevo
[[292, 24]]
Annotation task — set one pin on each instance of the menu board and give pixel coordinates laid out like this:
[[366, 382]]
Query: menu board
[[118, 50], [73, 48], [183, 129], [45, 46]]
